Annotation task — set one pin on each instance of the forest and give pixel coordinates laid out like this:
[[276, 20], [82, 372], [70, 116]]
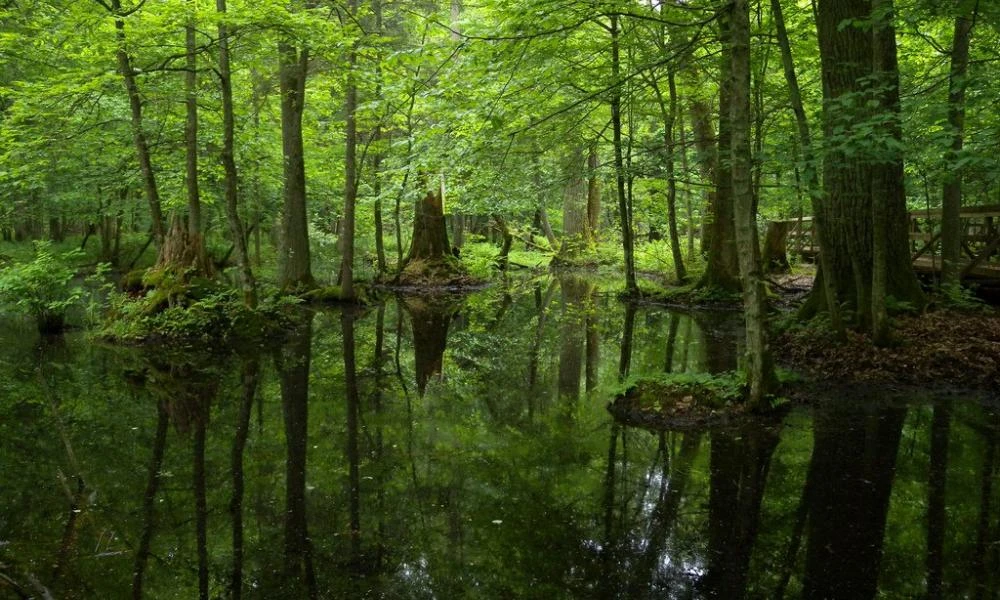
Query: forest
[[507, 298]]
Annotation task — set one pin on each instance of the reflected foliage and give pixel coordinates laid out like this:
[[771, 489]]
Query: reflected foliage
[[463, 448]]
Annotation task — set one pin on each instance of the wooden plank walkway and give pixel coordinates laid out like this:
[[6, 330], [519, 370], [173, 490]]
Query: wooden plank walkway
[[980, 241]]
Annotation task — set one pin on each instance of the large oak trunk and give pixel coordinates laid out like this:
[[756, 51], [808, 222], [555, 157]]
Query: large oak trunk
[[855, 168]]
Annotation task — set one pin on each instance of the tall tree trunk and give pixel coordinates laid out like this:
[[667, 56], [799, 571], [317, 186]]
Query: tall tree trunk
[[593, 193], [231, 179], [722, 270], [575, 238], [138, 135], [669, 116], [760, 374], [951, 204], [624, 210], [688, 204], [191, 127], [350, 170], [847, 54], [708, 161], [377, 159], [809, 168], [294, 269]]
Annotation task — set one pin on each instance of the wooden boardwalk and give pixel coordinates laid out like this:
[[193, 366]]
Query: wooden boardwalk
[[980, 241]]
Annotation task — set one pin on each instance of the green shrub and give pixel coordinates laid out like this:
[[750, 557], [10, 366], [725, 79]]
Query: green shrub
[[42, 288]]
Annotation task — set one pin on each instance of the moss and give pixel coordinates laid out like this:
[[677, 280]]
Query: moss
[[681, 401], [443, 272]]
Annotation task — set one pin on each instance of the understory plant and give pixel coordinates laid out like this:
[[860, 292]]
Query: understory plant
[[42, 288]]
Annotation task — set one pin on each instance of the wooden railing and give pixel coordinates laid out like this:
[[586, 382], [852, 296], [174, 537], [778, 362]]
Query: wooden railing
[[980, 240]]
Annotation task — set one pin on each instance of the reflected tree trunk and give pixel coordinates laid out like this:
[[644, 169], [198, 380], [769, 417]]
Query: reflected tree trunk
[[292, 362], [609, 565], [987, 533], [575, 292], [628, 332], [665, 513], [149, 501], [675, 320], [739, 465], [795, 541], [251, 376], [201, 504], [353, 455], [854, 457], [430, 321], [541, 305], [936, 485], [592, 367]]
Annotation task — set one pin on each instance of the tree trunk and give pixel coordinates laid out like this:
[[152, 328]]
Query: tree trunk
[[350, 170], [138, 135], [847, 55], [624, 210], [775, 257], [593, 193], [294, 269], [760, 373], [430, 233], [669, 115], [708, 160], [828, 288], [575, 238], [191, 126], [688, 204], [951, 204], [502, 260], [722, 269], [231, 179], [183, 246]]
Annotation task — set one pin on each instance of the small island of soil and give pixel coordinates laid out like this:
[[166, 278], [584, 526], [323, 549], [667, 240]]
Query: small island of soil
[[682, 405]]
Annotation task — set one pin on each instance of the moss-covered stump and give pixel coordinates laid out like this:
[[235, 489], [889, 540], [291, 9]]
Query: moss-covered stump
[[444, 272], [681, 403]]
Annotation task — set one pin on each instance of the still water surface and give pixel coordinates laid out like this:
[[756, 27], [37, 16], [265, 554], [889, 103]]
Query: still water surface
[[461, 448]]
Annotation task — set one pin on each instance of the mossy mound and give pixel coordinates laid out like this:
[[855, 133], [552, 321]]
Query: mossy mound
[[681, 402], [206, 313], [446, 272]]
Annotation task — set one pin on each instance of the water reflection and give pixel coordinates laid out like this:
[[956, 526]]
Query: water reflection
[[461, 448]]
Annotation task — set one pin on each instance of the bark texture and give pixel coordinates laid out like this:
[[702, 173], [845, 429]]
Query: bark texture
[[294, 268], [856, 166]]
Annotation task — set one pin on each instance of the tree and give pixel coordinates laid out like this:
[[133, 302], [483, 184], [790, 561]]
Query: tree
[[350, 168], [951, 202], [722, 270], [760, 374], [860, 147], [809, 166], [231, 181], [294, 267]]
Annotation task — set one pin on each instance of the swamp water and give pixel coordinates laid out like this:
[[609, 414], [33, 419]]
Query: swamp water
[[462, 449]]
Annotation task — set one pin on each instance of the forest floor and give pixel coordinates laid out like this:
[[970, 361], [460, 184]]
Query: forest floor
[[945, 348]]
